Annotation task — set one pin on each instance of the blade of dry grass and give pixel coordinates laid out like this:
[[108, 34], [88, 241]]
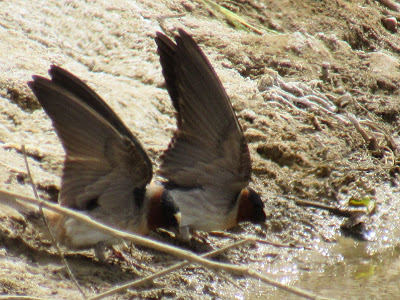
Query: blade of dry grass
[[53, 239], [163, 272], [146, 242], [237, 21]]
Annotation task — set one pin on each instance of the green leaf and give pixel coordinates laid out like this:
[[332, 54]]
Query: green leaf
[[366, 201]]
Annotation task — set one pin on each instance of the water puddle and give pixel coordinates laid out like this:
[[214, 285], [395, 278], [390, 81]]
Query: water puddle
[[346, 268]]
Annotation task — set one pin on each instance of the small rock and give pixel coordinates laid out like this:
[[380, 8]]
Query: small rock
[[386, 84], [390, 23]]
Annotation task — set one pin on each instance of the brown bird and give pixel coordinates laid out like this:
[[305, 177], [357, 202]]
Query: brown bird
[[107, 172], [207, 164]]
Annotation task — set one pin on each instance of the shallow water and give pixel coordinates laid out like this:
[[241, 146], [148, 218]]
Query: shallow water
[[355, 276], [346, 268]]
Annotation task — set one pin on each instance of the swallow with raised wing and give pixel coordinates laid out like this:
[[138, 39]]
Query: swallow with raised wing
[[107, 172], [207, 163]]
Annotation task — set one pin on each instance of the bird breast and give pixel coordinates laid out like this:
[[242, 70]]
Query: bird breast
[[205, 209]]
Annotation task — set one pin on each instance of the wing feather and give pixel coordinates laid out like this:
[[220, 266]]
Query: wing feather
[[209, 147], [102, 155]]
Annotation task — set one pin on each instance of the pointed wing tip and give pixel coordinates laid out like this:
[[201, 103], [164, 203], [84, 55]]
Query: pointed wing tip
[[31, 83], [183, 39], [183, 33], [161, 38], [163, 42], [159, 35], [56, 71], [53, 68], [37, 82], [35, 79]]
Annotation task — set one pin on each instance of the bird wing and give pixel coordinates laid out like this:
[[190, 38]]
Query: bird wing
[[86, 95], [105, 164], [209, 147]]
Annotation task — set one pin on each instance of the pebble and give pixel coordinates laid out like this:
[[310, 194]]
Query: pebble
[[390, 23]]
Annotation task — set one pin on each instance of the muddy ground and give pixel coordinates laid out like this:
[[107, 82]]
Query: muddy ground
[[318, 99]]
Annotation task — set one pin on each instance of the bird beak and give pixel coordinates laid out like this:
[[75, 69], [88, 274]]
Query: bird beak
[[178, 217]]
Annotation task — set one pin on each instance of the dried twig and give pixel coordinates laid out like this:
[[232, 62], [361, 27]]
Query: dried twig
[[390, 4], [370, 141], [17, 297], [343, 212], [164, 272], [7, 197], [237, 21], [258, 240], [278, 245], [53, 239]]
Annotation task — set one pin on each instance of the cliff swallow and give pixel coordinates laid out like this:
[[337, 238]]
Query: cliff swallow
[[207, 163], [106, 170]]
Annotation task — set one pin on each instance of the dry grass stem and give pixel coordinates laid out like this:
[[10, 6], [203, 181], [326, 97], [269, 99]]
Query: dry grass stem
[[164, 272], [146, 242], [53, 239]]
